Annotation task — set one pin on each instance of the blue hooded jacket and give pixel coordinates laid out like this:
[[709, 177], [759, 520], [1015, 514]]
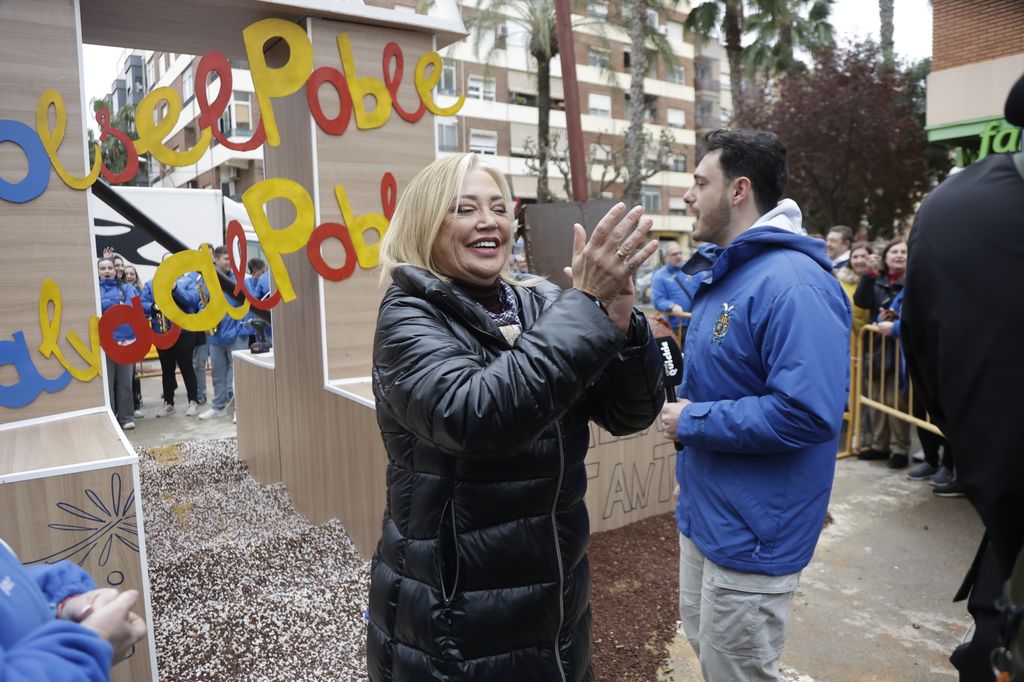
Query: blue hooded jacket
[[229, 328], [184, 293], [34, 646], [114, 293], [767, 367]]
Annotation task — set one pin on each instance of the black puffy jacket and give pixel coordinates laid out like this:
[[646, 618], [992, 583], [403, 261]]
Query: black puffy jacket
[[481, 571]]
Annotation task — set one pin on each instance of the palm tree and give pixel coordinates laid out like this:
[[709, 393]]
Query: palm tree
[[536, 18], [724, 17], [642, 35], [885, 16], [782, 26]]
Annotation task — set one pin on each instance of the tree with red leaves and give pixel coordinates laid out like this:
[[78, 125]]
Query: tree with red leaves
[[856, 145]]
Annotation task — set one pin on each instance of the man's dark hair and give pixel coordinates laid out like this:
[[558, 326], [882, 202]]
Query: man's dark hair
[[845, 233], [255, 265], [754, 154], [220, 251]]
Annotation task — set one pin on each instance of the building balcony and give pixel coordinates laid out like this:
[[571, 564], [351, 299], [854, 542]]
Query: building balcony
[[707, 84]]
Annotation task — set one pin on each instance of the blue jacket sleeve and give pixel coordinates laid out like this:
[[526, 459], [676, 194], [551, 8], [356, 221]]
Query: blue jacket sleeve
[[185, 294], [659, 292], [262, 287], [60, 651], [61, 580], [147, 299], [805, 349]]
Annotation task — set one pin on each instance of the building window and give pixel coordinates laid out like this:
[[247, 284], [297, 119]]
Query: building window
[[446, 86], [188, 89], [676, 118], [483, 142], [677, 163], [448, 136], [651, 199], [676, 206], [704, 113], [481, 88], [677, 74], [599, 58], [600, 105], [599, 153], [652, 63], [652, 18], [237, 117], [674, 30], [152, 68]]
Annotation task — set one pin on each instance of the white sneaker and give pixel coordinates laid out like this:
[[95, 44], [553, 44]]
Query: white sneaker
[[128, 427], [193, 409], [138, 413], [166, 411], [213, 412]]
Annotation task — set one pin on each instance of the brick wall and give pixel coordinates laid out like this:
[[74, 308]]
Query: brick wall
[[970, 31]]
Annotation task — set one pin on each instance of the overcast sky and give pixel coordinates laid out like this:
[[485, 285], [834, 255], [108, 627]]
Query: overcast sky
[[852, 19]]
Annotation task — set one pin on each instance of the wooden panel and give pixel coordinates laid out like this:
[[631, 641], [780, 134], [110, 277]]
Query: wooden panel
[[49, 236], [259, 444], [358, 468], [302, 407], [358, 159], [60, 442], [101, 532], [631, 478]]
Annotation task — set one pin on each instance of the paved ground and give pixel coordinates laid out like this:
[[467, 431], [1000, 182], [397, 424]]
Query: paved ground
[[874, 605], [151, 430]]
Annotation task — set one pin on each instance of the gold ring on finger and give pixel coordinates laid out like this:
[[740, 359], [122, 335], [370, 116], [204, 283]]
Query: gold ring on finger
[[621, 254]]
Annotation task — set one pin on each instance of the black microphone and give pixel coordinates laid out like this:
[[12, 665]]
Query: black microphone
[[673, 360]]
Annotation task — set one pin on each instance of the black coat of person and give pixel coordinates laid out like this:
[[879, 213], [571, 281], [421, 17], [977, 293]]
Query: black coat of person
[[963, 332], [481, 572]]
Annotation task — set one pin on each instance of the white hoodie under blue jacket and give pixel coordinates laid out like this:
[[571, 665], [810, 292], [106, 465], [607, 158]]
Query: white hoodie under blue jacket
[[767, 367]]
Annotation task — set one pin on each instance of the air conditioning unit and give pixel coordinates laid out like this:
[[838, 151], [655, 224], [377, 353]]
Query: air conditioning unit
[[663, 29], [230, 172]]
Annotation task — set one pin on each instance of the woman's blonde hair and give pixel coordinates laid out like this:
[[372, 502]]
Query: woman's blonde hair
[[422, 209]]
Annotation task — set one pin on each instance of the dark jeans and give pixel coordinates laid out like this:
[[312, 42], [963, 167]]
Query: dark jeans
[[179, 354]]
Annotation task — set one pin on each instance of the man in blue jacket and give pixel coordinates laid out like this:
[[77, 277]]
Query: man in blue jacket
[[766, 376], [230, 335], [672, 289]]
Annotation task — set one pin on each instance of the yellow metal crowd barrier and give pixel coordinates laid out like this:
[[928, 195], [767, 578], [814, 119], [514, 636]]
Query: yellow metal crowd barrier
[[876, 364]]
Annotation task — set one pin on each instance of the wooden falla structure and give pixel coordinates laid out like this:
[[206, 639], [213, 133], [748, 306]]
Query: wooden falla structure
[[346, 127]]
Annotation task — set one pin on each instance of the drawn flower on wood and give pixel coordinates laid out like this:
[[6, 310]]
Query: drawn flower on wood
[[99, 524]]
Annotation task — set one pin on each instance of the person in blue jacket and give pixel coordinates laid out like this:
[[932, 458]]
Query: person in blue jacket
[[258, 283], [56, 626], [119, 377], [186, 296], [230, 335], [672, 290], [766, 377]]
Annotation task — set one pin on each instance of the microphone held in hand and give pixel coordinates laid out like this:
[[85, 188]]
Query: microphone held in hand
[[673, 360]]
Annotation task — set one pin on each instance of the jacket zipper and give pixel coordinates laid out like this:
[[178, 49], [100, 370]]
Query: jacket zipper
[[558, 551]]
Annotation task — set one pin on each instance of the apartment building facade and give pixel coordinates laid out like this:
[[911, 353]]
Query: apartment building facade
[[499, 118]]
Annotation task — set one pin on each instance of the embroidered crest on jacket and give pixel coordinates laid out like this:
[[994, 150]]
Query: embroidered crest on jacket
[[722, 323]]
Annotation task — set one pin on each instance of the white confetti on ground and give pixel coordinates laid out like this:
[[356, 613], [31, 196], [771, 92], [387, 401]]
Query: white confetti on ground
[[242, 587]]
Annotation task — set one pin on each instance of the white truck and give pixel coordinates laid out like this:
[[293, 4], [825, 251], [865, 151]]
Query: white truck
[[194, 216]]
